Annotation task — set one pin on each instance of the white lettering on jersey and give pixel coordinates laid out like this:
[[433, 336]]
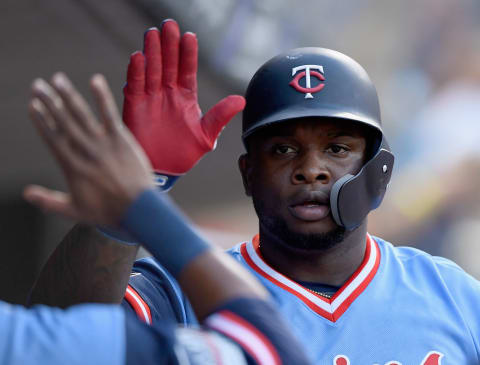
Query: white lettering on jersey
[[432, 358]]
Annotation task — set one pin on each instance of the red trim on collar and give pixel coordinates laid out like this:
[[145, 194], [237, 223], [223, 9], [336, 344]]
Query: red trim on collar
[[330, 309]]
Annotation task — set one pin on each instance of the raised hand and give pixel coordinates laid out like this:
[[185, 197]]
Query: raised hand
[[161, 105], [104, 166]]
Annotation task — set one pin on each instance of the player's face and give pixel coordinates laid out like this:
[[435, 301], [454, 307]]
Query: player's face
[[290, 170]]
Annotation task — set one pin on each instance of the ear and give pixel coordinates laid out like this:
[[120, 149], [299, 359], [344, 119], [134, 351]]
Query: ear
[[245, 171]]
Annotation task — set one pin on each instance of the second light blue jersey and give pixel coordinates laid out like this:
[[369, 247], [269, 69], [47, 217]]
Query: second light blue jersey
[[401, 307], [84, 334]]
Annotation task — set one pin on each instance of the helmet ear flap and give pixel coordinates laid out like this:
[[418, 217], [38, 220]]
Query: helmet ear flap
[[353, 197]]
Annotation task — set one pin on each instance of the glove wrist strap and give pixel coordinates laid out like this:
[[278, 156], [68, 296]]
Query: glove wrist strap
[[164, 182]]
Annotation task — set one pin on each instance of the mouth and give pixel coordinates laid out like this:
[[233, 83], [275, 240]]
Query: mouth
[[311, 207]]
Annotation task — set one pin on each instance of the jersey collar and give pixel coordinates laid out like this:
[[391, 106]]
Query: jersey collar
[[333, 308]]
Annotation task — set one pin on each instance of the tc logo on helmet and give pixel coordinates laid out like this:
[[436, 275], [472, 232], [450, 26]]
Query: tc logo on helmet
[[308, 90]]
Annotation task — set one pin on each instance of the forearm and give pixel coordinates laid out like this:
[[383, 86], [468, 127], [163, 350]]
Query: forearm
[[85, 267], [215, 278], [208, 276]]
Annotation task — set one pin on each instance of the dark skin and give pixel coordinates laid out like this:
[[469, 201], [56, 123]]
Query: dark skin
[[289, 171], [99, 194], [86, 267]]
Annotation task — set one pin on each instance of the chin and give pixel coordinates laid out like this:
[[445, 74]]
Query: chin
[[298, 235], [310, 236], [315, 241]]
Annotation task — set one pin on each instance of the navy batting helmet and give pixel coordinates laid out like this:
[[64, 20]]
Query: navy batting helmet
[[319, 82]]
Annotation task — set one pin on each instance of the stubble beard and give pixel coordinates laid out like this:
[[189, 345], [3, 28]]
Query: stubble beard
[[277, 228]]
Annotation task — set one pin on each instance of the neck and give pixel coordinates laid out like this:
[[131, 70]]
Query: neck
[[332, 266]]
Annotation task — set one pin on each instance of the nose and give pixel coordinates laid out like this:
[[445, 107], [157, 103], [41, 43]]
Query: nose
[[310, 169]]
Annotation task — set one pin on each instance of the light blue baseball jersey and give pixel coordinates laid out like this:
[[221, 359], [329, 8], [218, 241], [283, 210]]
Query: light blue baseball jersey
[[84, 334], [401, 307]]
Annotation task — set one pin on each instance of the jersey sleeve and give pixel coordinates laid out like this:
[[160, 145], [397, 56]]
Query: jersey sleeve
[[242, 332], [255, 326], [169, 344], [155, 296], [82, 334], [149, 344]]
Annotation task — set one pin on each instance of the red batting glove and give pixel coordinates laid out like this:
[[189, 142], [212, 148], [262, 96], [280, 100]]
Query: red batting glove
[[161, 105]]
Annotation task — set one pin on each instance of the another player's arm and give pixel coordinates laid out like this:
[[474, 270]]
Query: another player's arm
[[208, 276], [86, 266], [83, 147], [93, 158]]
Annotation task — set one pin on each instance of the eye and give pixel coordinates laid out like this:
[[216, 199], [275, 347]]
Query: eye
[[284, 149], [337, 149]]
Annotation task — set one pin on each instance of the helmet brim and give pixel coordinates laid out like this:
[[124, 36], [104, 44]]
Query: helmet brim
[[297, 112]]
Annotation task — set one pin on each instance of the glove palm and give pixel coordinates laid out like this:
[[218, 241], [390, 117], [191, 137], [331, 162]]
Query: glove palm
[[161, 103]]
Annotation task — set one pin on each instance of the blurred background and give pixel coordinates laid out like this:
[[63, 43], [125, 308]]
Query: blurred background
[[423, 56]]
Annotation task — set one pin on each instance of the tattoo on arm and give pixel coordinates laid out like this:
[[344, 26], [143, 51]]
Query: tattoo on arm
[[85, 267]]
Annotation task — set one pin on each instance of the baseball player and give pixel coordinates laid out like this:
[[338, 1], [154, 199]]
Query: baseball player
[[94, 158], [317, 163]]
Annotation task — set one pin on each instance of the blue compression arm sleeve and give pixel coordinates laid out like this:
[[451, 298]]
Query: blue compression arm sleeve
[[164, 231]]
